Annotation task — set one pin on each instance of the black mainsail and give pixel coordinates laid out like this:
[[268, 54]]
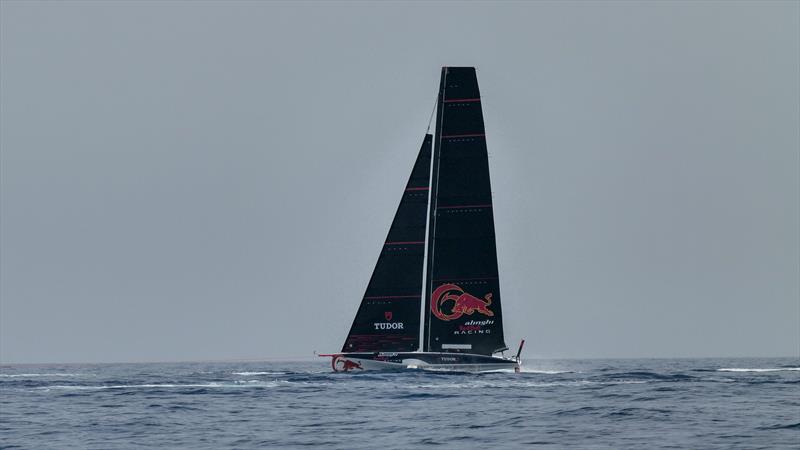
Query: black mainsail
[[388, 318], [462, 312]]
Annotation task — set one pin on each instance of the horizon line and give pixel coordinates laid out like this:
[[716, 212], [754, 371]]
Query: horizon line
[[315, 358]]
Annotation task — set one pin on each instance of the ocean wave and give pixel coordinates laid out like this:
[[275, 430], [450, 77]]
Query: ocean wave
[[157, 386], [524, 369], [519, 383], [246, 374], [773, 369], [34, 375], [790, 426], [237, 384], [643, 375]]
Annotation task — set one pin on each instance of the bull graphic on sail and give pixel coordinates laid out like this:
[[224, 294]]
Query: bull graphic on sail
[[462, 303]]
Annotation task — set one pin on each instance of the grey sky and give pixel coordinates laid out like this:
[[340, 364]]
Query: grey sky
[[213, 181]]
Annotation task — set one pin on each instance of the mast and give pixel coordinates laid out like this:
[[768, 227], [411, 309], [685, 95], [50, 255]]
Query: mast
[[434, 188], [462, 291]]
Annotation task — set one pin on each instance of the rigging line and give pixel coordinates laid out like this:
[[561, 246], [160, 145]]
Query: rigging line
[[435, 101]]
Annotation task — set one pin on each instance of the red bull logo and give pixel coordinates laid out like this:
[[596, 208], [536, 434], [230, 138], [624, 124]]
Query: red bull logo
[[342, 364], [450, 297]]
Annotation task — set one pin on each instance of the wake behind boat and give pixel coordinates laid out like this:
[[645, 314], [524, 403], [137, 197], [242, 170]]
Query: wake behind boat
[[442, 233]]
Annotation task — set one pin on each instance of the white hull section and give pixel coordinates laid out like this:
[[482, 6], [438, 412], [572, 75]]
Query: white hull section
[[424, 361]]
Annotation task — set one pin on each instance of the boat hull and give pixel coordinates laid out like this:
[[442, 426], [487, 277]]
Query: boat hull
[[436, 361]]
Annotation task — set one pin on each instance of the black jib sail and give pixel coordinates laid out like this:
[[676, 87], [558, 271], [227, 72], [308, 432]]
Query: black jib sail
[[462, 311], [388, 318]]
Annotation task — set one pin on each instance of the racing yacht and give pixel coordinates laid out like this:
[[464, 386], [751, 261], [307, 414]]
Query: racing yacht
[[433, 301]]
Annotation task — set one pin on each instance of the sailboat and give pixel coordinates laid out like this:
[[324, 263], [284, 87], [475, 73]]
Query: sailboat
[[433, 301]]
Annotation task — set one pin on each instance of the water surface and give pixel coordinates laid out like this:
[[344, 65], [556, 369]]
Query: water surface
[[646, 403]]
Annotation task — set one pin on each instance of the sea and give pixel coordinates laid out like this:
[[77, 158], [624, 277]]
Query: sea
[[712, 403]]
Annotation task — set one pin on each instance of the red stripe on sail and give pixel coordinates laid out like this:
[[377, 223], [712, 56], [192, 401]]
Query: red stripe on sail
[[463, 206], [387, 336], [465, 279], [453, 100], [404, 243], [453, 136], [380, 297], [417, 189]]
